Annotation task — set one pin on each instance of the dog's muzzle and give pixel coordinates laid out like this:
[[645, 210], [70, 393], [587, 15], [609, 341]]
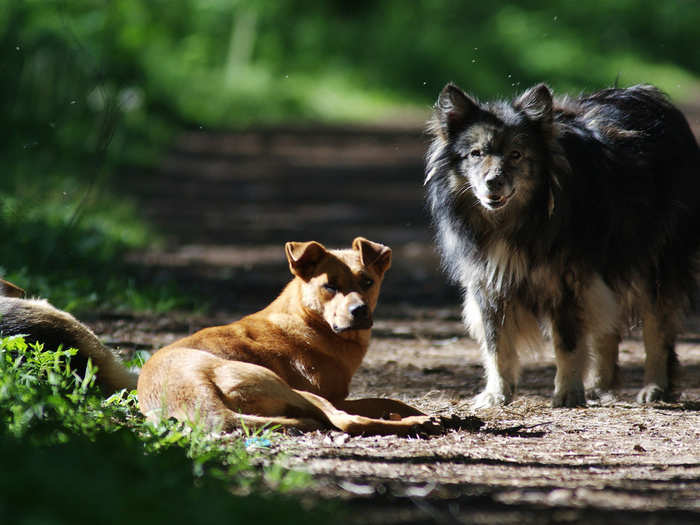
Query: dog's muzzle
[[360, 319], [495, 201]]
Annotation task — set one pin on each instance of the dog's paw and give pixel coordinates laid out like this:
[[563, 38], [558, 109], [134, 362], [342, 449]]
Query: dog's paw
[[569, 398], [488, 399], [600, 396], [651, 393], [425, 424]]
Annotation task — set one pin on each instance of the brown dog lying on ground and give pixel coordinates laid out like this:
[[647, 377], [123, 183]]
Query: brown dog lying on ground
[[289, 364]]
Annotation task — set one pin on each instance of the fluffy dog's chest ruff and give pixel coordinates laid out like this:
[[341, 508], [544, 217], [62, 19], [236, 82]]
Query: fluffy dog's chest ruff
[[504, 268], [506, 276]]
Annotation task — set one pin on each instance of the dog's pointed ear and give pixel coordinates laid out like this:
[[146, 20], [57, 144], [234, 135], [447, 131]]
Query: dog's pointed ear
[[303, 257], [454, 108], [373, 254], [536, 103]]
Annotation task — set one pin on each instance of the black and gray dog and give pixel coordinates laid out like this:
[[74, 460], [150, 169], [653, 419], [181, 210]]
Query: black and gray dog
[[577, 214]]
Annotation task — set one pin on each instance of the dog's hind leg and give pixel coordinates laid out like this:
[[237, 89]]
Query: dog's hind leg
[[661, 364], [257, 396], [193, 385]]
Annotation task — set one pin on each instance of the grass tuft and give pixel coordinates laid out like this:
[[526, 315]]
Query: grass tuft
[[70, 456]]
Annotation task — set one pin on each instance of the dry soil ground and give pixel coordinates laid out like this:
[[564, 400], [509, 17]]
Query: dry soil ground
[[227, 202]]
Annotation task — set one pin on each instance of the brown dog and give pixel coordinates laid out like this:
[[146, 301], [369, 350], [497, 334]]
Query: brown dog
[[290, 363]]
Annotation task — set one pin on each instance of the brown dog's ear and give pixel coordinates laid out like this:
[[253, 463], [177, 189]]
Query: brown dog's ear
[[303, 257], [373, 254]]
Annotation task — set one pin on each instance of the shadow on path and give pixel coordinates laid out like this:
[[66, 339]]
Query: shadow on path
[[227, 202]]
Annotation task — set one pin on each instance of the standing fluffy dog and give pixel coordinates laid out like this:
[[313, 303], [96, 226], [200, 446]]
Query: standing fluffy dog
[[575, 212]]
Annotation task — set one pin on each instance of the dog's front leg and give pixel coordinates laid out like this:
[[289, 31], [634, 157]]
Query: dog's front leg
[[570, 351], [377, 408], [486, 319]]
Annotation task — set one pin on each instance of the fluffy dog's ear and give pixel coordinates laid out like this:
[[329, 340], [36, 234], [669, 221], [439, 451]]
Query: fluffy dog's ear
[[454, 108], [536, 103], [303, 257], [373, 254]]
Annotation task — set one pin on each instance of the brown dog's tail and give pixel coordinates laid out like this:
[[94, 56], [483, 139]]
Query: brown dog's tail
[[38, 321]]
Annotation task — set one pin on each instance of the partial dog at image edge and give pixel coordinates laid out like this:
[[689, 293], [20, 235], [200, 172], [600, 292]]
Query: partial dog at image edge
[[10, 290], [578, 214], [289, 364]]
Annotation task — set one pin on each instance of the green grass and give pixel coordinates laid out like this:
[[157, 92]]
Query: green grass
[[70, 456]]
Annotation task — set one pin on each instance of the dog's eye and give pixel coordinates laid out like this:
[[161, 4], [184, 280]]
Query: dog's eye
[[330, 288], [515, 155], [366, 283], [475, 153]]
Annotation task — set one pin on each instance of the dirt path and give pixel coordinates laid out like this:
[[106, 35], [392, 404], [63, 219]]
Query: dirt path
[[228, 202]]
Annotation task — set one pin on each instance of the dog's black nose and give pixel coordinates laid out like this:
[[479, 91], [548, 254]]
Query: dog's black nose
[[359, 311], [494, 183]]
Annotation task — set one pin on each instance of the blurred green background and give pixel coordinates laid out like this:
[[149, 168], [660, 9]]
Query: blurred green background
[[92, 85]]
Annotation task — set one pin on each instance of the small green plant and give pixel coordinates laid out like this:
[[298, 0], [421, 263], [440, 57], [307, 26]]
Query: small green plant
[[42, 398], [59, 436]]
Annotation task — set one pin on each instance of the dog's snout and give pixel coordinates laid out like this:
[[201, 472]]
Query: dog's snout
[[359, 311], [495, 183]]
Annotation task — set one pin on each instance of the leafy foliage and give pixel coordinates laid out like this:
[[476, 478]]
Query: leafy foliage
[[225, 63], [93, 86], [59, 437]]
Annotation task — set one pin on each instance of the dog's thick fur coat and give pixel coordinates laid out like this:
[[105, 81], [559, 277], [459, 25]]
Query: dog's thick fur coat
[[575, 213], [289, 364]]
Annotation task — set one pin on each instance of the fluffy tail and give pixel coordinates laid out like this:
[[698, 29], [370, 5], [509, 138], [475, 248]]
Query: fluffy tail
[[10, 290], [39, 321]]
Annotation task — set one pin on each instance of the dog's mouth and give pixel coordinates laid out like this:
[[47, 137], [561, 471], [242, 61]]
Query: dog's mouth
[[364, 324], [495, 202]]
